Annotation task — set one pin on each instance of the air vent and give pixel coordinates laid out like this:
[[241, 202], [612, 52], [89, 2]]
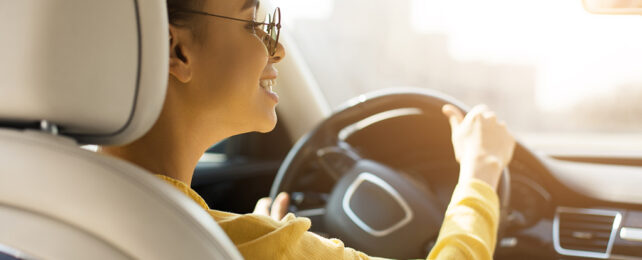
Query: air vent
[[585, 232]]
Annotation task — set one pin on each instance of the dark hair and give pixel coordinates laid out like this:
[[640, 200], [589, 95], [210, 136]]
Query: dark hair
[[178, 18], [184, 19]]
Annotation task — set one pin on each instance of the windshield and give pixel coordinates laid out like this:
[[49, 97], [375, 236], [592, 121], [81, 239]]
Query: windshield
[[545, 66]]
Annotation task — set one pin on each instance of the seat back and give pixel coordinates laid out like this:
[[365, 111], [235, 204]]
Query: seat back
[[89, 72]]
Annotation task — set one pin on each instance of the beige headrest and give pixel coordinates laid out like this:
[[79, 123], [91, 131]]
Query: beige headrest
[[97, 69]]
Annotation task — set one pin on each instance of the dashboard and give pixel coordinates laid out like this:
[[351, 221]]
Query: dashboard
[[566, 209]]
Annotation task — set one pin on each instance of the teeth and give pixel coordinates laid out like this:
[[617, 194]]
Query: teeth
[[267, 84]]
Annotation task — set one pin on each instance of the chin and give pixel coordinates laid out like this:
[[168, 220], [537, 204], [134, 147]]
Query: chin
[[267, 128], [268, 124]]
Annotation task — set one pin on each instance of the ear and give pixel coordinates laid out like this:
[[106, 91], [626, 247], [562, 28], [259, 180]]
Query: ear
[[180, 58]]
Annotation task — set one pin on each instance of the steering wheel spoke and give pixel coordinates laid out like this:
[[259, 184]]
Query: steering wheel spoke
[[310, 205], [338, 159]]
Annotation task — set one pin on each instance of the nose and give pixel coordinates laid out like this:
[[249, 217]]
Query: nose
[[279, 54]]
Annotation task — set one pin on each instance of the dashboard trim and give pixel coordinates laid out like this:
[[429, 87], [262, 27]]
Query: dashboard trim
[[620, 185], [631, 234]]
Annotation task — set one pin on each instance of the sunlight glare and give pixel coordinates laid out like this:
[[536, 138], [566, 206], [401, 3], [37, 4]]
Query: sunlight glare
[[576, 54]]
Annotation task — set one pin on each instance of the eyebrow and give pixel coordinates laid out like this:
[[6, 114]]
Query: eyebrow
[[250, 4]]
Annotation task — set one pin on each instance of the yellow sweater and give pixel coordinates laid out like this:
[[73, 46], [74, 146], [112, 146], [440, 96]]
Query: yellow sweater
[[468, 231]]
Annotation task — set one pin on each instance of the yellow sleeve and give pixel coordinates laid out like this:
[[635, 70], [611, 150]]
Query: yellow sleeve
[[469, 230], [260, 237]]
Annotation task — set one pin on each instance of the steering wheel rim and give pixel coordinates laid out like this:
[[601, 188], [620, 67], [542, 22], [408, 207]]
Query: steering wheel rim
[[327, 136]]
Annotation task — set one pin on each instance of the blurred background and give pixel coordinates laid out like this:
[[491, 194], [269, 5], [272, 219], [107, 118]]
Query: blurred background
[[549, 68]]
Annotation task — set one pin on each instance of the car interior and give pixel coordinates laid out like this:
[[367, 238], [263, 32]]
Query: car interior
[[376, 170]]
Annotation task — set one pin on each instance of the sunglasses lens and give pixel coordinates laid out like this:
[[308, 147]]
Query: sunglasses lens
[[271, 38], [275, 27]]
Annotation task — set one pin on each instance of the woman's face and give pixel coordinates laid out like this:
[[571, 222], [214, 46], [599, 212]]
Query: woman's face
[[229, 64]]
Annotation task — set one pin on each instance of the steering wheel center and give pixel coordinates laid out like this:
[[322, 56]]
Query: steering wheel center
[[380, 210], [375, 206]]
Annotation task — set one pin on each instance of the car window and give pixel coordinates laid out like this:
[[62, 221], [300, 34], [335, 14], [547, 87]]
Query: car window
[[547, 67]]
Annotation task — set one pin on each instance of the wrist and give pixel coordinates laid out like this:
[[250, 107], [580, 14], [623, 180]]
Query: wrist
[[484, 168]]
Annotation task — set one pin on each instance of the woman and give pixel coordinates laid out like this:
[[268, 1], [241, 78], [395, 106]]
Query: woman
[[221, 71]]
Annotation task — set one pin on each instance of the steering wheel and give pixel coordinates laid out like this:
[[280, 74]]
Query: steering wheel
[[372, 207]]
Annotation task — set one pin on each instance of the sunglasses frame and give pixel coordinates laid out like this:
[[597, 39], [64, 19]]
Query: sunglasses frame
[[269, 42]]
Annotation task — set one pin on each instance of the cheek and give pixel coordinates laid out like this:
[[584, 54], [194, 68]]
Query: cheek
[[235, 62], [248, 60], [229, 72], [246, 55], [253, 57]]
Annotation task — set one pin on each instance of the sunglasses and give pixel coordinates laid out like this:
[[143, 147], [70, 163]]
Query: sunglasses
[[271, 27]]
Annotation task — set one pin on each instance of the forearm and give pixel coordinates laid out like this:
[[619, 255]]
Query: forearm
[[469, 229]]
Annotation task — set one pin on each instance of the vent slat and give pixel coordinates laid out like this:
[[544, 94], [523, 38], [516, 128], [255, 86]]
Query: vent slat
[[582, 242], [595, 235], [589, 249], [586, 226], [590, 223], [566, 239], [587, 218]]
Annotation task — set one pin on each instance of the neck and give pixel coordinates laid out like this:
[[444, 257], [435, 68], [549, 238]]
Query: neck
[[172, 147]]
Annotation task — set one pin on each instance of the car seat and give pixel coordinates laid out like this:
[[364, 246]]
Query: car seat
[[78, 72]]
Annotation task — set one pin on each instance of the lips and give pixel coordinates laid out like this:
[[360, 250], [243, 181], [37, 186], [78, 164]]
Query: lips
[[266, 85]]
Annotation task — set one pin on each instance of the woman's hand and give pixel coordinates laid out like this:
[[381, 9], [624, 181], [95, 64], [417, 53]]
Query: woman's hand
[[279, 207], [483, 146]]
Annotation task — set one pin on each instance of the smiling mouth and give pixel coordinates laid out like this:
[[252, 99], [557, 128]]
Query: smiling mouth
[[267, 84]]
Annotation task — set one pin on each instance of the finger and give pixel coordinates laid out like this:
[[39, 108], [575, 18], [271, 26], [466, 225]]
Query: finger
[[263, 207], [280, 206], [455, 116], [489, 115], [479, 110], [474, 113]]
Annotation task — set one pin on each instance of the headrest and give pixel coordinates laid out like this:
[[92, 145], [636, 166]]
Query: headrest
[[96, 69]]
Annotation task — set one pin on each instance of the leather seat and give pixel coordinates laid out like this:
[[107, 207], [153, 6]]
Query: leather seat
[[78, 72]]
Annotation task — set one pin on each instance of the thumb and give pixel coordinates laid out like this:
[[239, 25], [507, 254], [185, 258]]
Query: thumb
[[263, 207], [455, 116]]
